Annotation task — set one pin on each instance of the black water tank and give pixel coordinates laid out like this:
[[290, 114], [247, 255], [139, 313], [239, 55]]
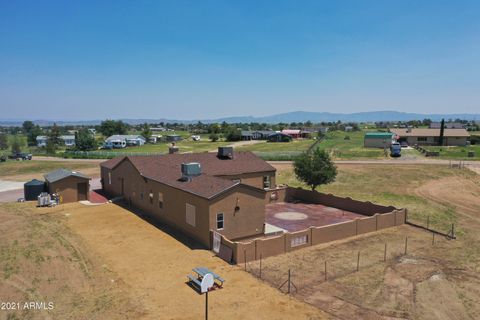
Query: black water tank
[[32, 189]]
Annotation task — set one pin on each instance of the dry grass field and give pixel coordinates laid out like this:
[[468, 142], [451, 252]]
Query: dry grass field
[[439, 281], [106, 262]]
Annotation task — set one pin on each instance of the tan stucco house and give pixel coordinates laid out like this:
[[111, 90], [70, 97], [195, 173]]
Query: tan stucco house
[[428, 137], [195, 192]]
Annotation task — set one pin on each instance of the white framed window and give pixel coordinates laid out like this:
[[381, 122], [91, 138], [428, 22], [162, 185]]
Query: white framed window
[[190, 214], [220, 221], [298, 241], [266, 181], [160, 200], [109, 178]]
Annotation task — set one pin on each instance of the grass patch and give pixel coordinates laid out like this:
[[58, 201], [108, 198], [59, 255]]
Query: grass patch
[[349, 145], [13, 168], [265, 147], [456, 152], [388, 185]]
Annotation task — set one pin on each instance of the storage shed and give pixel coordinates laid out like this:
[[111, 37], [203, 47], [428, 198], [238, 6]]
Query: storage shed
[[378, 139], [32, 189], [71, 186]]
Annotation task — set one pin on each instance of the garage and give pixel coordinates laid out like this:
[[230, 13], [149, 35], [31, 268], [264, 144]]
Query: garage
[[70, 186]]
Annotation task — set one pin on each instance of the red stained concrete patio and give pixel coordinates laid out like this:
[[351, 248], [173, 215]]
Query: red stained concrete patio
[[300, 216]]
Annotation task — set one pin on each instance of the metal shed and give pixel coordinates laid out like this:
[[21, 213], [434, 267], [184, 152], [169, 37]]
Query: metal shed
[[32, 189]]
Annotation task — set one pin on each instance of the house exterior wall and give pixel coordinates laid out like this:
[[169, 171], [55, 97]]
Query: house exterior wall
[[68, 189], [247, 221], [433, 141], [377, 142], [253, 179]]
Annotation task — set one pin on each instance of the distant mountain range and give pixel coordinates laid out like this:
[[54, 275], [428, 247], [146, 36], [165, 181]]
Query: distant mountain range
[[295, 116]]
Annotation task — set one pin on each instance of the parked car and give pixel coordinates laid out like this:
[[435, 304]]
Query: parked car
[[196, 138], [404, 144], [395, 149], [21, 156]]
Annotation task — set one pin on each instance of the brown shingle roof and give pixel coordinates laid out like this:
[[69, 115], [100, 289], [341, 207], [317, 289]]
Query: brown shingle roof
[[430, 132], [167, 169]]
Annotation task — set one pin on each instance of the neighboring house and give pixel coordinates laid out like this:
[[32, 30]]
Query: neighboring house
[[294, 133], [348, 128], [68, 140], [195, 192], [279, 137], [378, 139], [447, 125], [70, 186], [159, 129], [173, 137], [92, 131], [414, 136], [256, 134], [121, 141]]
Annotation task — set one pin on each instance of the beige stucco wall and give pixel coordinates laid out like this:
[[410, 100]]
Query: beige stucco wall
[[448, 141], [68, 189]]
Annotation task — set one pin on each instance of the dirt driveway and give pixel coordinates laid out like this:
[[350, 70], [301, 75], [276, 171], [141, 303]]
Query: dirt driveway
[[155, 265]]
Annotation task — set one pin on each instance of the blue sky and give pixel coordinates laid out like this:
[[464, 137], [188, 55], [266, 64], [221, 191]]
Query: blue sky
[[206, 59]]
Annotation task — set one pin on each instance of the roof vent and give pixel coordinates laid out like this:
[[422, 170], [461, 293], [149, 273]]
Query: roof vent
[[225, 152], [190, 170]]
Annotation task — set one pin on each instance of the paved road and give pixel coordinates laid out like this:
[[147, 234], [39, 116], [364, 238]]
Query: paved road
[[395, 162]]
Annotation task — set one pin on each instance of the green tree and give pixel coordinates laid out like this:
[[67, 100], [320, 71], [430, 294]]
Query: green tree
[[213, 137], [84, 140], [17, 144], [146, 131], [3, 141], [442, 132], [233, 134], [27, 126], [53, 140], [32, 135], [315, 168], [111, 127]]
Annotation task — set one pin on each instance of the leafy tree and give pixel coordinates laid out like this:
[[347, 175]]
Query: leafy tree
[[53, 140], [3, 141], [111, 127], [213, 137], [17, 144], [27, 126], [442, 132], [84, 140], [146, 131], [315, 168], [32, 135], [233, 134]]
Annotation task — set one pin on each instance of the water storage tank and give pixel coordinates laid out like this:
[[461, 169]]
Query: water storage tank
[[32, 189]]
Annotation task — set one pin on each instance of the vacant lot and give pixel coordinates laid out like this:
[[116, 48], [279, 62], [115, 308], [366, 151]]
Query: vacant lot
[[105, 262], [456, 153], [265, 146], [349, 145], [438, 281], [25, 170]]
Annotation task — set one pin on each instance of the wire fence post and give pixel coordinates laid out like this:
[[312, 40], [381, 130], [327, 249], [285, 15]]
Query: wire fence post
[[385, 253], [406, 245], [289, 281], [260, 266], [453, 231], [358, 261], [433, 238], [245, 258], [325, 270], [428, 222]]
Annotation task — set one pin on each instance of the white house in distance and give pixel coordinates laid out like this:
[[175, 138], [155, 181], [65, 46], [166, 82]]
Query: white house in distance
[[119, 141], [68, 140]]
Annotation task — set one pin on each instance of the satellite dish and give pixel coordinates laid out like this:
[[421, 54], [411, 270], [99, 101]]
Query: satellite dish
[[207, 282]]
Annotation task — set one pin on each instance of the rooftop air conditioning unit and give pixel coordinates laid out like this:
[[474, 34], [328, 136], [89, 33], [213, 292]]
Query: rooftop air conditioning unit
[[191, 169], [225, 152]]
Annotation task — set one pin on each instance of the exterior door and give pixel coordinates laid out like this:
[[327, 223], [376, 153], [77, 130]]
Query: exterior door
[[82, 191]]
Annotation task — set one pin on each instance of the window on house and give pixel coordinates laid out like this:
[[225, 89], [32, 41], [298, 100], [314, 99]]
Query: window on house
[[109, 178], [160, 200], [266, 181], [150, 196], [298, 241], [190, 214], [220, 221], [423, 139]]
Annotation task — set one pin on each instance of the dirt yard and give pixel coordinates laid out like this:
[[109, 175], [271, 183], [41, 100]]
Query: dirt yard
[[438, 281], [135, 270]]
